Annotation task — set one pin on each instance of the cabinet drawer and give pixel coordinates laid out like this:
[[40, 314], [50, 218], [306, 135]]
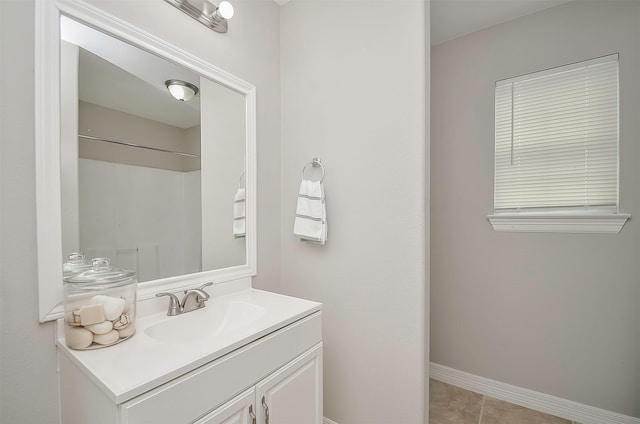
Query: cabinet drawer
[[194, 394]]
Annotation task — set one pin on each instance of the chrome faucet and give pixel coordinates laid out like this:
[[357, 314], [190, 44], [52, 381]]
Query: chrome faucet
[[193, 299]]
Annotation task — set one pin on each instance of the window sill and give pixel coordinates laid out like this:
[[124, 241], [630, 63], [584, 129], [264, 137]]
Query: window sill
[[559, 223]]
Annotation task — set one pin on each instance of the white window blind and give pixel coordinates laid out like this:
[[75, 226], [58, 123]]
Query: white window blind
[[556, 139]]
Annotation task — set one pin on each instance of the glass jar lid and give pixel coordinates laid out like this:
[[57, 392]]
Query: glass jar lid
[[76, 263], [101, 273]]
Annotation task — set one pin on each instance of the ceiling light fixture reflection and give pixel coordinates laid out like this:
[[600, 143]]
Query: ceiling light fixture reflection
[[181, 90]]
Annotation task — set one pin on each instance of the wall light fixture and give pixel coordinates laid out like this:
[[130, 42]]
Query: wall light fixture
[[207, 13]]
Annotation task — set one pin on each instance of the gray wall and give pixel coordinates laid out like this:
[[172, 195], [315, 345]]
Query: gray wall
[[353, 93], [99, 121], [555, 313], [27, 352], [29, 393]]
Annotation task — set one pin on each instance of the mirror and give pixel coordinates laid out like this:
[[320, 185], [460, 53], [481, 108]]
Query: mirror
[[161, 186], [136, 193]]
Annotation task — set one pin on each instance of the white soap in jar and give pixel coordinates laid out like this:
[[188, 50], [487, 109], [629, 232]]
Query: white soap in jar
[[91, 314], [113, 306], [78, 337], [100, 328], [105, 339]]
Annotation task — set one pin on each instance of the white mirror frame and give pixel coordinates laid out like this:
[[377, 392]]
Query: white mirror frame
[[47, 139]]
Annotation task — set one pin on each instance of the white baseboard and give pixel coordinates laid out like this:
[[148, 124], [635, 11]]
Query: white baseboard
[[548, 404], [328, 421]]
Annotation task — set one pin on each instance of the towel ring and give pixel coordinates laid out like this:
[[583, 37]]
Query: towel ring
[[240, 180], [315, 162]]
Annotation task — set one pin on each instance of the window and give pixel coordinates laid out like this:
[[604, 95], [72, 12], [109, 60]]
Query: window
[[556, 149]]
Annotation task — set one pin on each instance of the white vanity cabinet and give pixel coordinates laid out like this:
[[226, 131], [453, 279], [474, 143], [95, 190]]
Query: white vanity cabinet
[[239, 410], [291, 395], [142, 381]]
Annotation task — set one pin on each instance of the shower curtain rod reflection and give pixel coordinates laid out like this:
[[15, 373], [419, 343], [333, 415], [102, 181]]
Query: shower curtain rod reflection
[[122, 143]]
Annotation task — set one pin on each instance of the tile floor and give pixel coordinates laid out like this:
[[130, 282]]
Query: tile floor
[[453, 405]]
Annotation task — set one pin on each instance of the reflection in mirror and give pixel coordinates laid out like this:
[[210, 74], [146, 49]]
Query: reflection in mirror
[[149, 181]]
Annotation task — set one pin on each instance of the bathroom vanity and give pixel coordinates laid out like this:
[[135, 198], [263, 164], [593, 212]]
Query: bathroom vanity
[[248, 357]]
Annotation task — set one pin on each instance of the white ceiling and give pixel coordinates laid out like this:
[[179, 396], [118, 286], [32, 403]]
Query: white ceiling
[[102, 83], [451, 19]]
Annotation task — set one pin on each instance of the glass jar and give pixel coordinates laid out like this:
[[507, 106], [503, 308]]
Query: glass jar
[[99, 304]]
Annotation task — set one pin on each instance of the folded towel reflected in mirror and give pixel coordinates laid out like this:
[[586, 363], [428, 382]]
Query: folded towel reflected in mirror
[[239, 229], [311, 213]]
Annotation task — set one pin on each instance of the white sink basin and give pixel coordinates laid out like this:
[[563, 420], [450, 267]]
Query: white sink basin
[[205, 323]]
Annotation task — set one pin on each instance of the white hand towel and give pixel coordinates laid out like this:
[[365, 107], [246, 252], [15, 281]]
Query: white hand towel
[[239, 214], [311, 213]]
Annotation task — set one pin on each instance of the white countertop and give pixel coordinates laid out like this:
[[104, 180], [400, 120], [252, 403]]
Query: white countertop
[[141, 363]]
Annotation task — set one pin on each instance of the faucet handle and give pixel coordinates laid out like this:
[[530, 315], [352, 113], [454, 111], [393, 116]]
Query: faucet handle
[[203, 292], [200, 291], [174, 303], [201, 287], [206, 285], [201, 295]]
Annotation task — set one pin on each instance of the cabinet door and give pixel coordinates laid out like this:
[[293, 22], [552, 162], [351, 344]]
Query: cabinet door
[[293, 394], [239, 410]]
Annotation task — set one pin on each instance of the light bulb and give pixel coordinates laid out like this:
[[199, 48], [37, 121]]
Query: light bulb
[[181, 93], [225, 10]]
